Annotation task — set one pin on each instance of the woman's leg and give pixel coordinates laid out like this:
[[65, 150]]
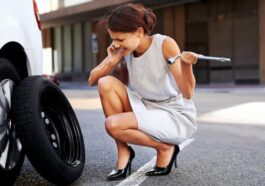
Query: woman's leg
[[114, 99], [124, 127], [121, 123]]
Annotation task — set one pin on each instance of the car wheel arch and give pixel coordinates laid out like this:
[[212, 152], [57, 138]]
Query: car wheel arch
[[15, 53]]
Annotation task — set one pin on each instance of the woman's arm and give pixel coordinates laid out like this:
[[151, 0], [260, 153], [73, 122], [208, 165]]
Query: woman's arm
[[106, 66], [182, 69]]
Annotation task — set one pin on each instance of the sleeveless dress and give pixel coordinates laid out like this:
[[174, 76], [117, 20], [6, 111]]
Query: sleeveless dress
[[157, 103]]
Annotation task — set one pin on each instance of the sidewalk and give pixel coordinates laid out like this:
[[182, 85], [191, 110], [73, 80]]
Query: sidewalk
[[231, 88], [231, 104], [222, 104], [199, 87]]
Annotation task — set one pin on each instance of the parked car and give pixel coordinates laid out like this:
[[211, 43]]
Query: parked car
[[36, 118], [52, 78]]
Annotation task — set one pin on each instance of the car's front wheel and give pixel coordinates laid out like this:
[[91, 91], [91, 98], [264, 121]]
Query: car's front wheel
[[11, 153]]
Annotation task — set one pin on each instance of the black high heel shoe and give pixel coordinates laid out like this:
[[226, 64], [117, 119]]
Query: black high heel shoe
[[160, 171], [120, 174]]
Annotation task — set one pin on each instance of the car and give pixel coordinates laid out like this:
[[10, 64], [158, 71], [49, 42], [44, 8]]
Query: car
[[52, 78], [36, 119]]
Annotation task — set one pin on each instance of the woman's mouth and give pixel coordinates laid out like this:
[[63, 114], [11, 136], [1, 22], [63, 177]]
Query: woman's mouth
[[125, 51]]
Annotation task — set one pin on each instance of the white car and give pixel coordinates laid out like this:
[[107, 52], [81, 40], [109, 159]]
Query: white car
[[35, 116]]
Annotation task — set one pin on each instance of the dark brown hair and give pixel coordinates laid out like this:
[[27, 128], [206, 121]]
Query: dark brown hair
[[129, 17]]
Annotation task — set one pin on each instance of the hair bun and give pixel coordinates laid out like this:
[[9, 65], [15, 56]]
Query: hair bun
[[150, 20]]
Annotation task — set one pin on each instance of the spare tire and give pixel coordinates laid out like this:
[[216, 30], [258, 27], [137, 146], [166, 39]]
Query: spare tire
[[49, 130]]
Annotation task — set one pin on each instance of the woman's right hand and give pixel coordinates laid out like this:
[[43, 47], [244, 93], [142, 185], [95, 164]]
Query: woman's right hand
[[115, 55], [189, 57]]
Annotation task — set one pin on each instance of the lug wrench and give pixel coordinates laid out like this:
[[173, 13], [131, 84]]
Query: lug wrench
[[207, 58]]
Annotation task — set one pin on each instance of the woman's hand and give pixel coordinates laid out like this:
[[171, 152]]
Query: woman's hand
[[115, 55], [189, 57], [107, 65]]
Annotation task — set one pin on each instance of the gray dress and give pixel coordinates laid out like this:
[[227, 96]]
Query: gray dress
[[157, 103]]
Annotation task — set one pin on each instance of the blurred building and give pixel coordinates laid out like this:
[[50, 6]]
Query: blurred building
[[75, 42]]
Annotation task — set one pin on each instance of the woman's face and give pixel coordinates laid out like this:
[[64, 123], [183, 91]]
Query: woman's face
[[129, 41]]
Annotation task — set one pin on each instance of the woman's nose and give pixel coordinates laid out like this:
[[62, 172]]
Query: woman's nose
[[115, 44]]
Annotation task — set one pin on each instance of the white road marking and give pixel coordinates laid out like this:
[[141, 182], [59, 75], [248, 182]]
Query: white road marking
[[185, 143], [243, 114], [139, 176]]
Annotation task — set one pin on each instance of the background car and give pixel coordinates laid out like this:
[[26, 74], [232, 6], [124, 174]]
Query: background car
[[35, 116], [52, 78]]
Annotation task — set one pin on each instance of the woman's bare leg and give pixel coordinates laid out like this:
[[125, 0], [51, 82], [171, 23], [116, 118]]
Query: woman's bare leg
[[114, 99], [124, 127], [121, 123]]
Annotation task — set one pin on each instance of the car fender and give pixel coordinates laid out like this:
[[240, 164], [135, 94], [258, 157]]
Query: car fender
[[19, 25]]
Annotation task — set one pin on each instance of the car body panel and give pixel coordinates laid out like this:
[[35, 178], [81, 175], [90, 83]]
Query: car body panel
[[18, 24]]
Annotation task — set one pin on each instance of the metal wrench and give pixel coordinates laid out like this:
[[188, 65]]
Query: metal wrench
[[211, 58], [207, 58]]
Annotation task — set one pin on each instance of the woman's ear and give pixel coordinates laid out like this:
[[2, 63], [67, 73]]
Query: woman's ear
[[140, 32]]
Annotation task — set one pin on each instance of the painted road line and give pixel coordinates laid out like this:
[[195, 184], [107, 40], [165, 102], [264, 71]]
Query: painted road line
[[185, 143], [139, 176]]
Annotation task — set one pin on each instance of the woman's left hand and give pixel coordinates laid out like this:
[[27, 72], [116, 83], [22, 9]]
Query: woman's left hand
[[189, 57]]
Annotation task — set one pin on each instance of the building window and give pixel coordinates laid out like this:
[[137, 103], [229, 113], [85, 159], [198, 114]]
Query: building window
[[77, 48], [67, 49], [57, 50]]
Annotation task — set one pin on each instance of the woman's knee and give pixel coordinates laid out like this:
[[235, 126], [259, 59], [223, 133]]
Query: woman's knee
[[105, 84], [111, 125]]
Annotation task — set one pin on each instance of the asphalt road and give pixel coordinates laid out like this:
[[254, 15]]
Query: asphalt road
[[228, 148]]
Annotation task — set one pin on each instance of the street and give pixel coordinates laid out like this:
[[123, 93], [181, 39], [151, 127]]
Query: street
[[228, 147]]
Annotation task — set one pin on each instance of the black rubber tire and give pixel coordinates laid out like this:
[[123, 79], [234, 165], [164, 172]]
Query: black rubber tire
[[38, 102], [8, 177]]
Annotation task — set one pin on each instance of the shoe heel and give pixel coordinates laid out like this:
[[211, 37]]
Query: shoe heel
[[130, 168], [176, 163]]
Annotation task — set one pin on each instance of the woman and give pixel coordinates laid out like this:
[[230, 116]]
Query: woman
[[154, 110]]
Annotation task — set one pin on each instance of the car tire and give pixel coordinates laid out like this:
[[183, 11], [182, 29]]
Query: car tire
[[11, 152], [49, 130]]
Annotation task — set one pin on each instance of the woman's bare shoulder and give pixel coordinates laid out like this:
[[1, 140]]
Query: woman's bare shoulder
[[170, 47]]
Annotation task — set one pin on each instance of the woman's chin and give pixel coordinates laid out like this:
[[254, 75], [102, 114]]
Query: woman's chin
[[125, 53]]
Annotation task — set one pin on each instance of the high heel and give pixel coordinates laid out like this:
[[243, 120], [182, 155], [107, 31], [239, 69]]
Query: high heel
[[160, 171], [120, 174]]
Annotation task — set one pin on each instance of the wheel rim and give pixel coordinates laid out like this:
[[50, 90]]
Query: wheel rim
[[61, 129], [10, 146]]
